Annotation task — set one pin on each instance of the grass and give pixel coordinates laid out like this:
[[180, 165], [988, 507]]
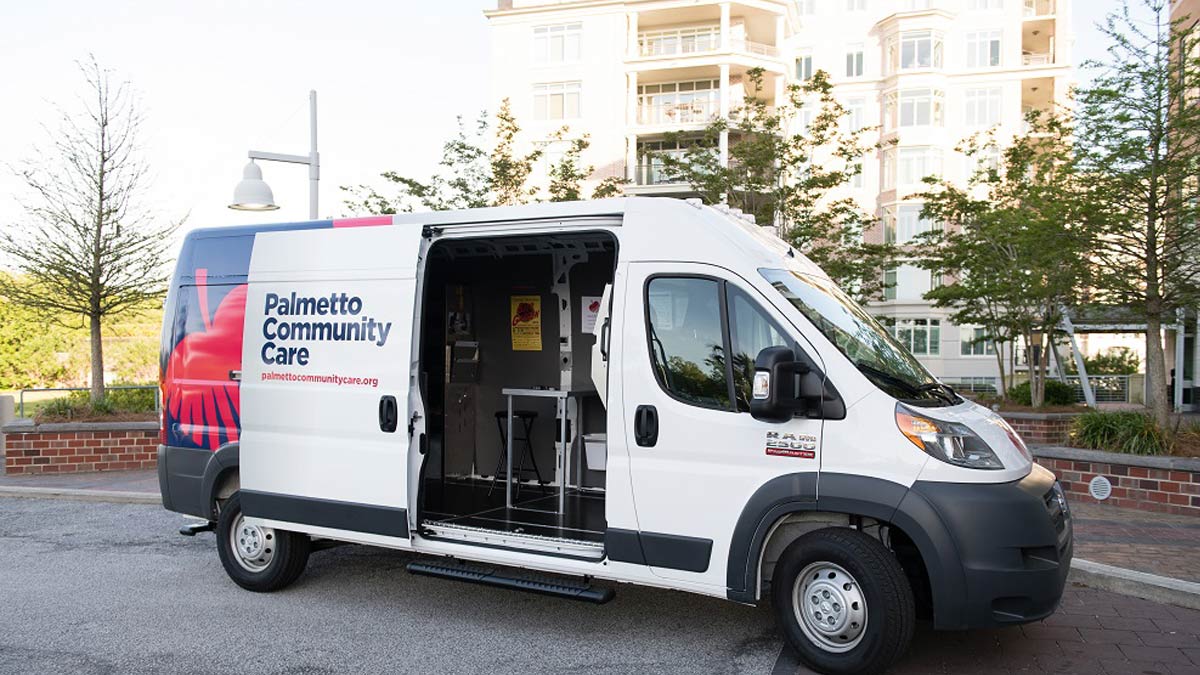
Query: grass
[[58, 406]]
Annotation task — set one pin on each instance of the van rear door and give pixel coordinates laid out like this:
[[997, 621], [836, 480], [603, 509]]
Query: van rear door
[[327, 360]]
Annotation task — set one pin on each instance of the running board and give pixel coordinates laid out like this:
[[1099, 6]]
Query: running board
[[490, 576], [574, 548]]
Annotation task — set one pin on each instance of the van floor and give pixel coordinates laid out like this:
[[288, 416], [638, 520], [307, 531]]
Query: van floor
[[466, 502]]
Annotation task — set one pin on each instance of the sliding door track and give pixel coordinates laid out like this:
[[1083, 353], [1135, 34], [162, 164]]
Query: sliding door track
[[573, 548]]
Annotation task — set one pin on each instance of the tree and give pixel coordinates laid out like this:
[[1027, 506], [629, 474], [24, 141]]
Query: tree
[[1140, 142], [790, 178], [88, 248], [1016, 249], [464, 182], [510, 170], [568, 173]]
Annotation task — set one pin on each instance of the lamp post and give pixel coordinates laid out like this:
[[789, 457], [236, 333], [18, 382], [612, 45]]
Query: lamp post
[[253, 193]]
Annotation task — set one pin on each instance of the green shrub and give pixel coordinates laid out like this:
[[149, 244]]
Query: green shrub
[[77, 404], [1057, 393], [1132, 433]]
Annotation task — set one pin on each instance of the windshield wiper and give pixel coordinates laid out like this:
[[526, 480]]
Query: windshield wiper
[[942, 391], [938, 389], [883, 374]]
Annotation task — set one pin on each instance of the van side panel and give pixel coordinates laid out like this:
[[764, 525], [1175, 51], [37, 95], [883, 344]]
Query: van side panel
[[201, 346]]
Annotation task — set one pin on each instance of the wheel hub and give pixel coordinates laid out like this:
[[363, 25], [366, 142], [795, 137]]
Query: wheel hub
[[253, 546], [830, 607]]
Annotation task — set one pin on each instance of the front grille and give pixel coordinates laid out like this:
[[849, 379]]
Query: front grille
[[1058, 516]]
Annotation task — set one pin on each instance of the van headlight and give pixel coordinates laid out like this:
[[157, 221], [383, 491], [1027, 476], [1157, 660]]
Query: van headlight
[[949, 442]]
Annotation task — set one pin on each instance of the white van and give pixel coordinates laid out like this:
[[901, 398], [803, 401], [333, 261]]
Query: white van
[[639, 390]]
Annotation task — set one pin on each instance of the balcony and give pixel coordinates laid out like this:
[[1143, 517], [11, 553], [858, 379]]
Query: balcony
[[1035, 9], [697, 40], [698, 111]]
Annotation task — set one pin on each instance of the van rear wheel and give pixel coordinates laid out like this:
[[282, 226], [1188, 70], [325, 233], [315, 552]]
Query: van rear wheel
[[843, 602], [257, 558]]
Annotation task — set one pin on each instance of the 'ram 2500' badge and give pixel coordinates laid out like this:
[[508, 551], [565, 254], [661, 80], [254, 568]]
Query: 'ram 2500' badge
[[803, 446]]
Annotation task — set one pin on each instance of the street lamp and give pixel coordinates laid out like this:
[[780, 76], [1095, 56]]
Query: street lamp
[[253, 193]]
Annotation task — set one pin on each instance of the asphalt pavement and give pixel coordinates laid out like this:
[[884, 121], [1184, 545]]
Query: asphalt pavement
[[89, 587]]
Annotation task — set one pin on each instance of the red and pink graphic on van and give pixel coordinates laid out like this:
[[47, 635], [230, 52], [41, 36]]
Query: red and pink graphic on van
[[201, 396]]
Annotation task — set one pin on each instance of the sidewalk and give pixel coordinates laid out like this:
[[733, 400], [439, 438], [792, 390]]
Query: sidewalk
[[1156, 543], [110, 481]]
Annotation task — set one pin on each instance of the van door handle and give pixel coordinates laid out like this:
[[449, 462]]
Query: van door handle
[[389, 414], [604, 336], [645, 426]]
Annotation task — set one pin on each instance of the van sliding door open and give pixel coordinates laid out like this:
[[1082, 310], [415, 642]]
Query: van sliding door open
[[326, 361]]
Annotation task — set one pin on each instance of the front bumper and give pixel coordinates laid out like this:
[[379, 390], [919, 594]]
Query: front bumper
[[1011, 544]]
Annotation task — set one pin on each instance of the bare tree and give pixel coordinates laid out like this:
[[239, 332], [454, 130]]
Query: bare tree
[[87, 247]]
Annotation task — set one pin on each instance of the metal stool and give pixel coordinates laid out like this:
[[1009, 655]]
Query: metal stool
[[526, 417]]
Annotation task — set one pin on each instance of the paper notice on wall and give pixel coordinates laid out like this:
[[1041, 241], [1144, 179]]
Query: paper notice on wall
[[525, 312], [589, 309]]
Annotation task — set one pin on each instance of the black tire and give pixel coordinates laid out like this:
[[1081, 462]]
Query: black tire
[[284, 554], [888, 614]]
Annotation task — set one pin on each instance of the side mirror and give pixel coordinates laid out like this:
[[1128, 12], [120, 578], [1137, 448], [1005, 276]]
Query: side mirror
[[776, 394]]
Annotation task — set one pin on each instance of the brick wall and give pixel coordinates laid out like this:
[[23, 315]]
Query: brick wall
[[74, 448], [1164, 484], [1041, 428]]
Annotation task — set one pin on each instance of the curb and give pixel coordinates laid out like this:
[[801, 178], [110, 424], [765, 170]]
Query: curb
[[1137, 584], [114, 496]]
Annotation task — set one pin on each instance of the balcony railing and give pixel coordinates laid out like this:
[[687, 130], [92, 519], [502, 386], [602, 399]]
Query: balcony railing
[[696, 40], [654, 174], [755, 48], [700, 111], [1030, 59]]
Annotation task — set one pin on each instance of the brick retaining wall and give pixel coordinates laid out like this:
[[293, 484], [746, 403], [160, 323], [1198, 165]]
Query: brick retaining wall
[[79, 447], [1162, 484], [1042, 428]]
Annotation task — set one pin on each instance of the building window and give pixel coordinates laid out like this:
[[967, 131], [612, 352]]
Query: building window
[[556, 101], [974, 342], [856, 5], [695, 101], [690, 40], [652, 169], [984, 160], [920, 336], [975, 5], [913, 5], [902, 223], [806, 7], [557, 44], [889, 285], [856, 113], [854, 60], [804, 65], [983, 49], [914, 108], [908, 167], [914, 50], [982, 106]]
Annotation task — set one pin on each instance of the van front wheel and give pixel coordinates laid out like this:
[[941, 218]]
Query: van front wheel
[[843, 602], [258, 558]]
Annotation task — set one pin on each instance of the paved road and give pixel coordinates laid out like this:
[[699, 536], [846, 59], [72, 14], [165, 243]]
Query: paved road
[[110, 588]]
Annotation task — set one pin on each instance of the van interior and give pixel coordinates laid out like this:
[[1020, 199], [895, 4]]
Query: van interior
[[516, 318]]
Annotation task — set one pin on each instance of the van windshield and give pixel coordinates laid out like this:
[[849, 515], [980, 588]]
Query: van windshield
[[859, 336]]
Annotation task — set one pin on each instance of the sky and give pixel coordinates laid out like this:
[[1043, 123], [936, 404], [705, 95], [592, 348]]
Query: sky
[[221, 77]]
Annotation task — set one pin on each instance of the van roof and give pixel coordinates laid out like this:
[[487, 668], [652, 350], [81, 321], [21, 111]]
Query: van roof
[[740, 234]]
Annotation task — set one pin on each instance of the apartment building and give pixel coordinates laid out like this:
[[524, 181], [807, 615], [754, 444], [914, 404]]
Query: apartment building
[[928, 73]]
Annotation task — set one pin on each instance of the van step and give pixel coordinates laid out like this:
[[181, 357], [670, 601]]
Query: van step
[[491, 576]]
